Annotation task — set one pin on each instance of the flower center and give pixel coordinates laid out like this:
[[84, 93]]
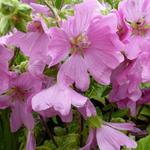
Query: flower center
[[140, 27], [35, 26], [16, 92], [79, 44]]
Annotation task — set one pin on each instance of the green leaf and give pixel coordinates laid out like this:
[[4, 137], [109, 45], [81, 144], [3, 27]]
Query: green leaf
[[70, 141], [145, 111], [66, 142], [58, 4], [5, 25], [52, 72], [145, 85], [120, 120], [94, 122], [24, 8], [120, 113], [144, 143], [8, 140], [7, 8], [97, 92], [72, 1], [59, 131], [21, 26], [14, 14]]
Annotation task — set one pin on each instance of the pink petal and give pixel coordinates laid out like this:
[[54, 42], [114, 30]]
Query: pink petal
[[59, 46], [103, 38], [51, 113], [83, 15], [78, 24], [37, 8], [144, 60], [111, 139], [31, 143], [74, 70], [26, 116], [133, 48], [58, 97], [15, 118], [98, 69], [90, 140], [77, 99], [55, 97], [30, 43], [4, 101], [24, 41], [122, 126], [28, 1], [88, 110]]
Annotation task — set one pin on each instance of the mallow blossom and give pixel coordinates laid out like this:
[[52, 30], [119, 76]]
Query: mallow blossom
[[33, 44], [108, 135], [18, 97], [133, 106], [86, 43], [126, 79], [135, 18]]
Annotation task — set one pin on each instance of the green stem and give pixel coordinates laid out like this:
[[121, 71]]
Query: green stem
[[54, 14], [81, 130], [48, 131], [14, 57]]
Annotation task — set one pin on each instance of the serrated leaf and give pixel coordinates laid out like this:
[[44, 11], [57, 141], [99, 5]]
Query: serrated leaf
[[21, 26], [5, 25], [7, 8]]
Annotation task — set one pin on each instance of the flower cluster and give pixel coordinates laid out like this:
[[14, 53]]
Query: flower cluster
[[111, 49]]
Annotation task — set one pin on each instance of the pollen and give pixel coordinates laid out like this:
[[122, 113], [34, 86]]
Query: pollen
[[79, 43]]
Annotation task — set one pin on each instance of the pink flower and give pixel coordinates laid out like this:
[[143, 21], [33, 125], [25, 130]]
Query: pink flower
[[57, 100], [108, 137], [18, 98], [128, 103], [135, 16], [33, 44], [126, 81], [86, 43]]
